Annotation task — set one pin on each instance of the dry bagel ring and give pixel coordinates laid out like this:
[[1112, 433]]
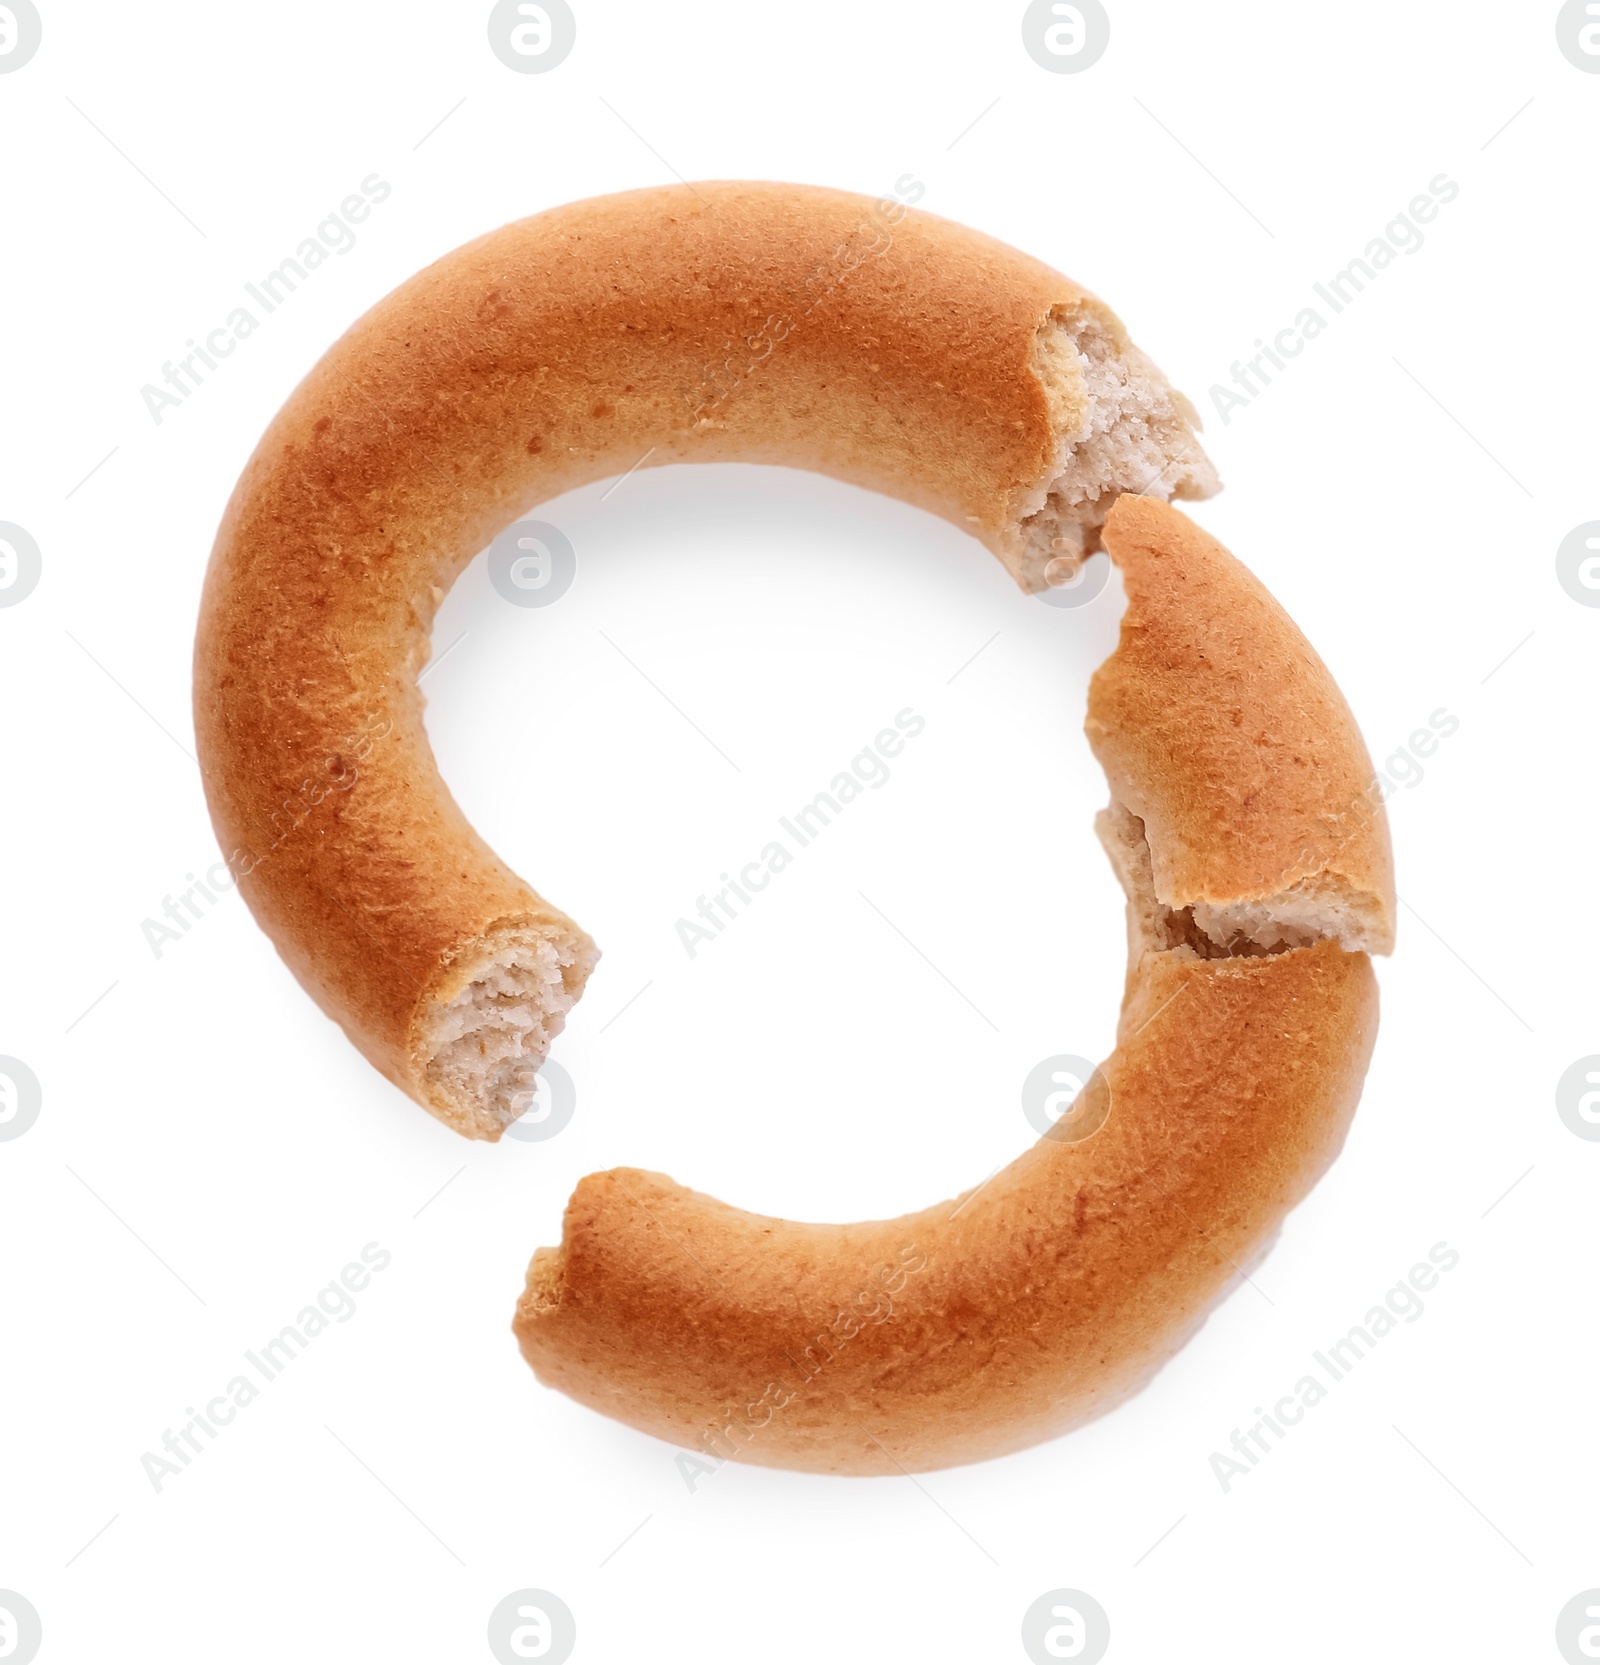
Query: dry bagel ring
[[756, 323], [939, 366], [1249, 834]]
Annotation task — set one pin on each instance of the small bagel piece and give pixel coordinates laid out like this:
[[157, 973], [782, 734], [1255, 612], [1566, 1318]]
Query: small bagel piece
[[1247, 831], [716, 322]]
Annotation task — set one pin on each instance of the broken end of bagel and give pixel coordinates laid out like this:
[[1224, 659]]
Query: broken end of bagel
[[1120, 426], [491, 1017]]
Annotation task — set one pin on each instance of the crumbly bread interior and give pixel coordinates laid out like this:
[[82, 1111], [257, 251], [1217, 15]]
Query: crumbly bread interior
[[1321, 908], [1122, 427], [482, 1045]]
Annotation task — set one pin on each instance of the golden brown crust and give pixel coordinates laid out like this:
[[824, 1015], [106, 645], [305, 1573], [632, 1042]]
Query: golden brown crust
[[1054, 1290], [785, 324], [1222, 731], [792, 325], [775, 323], [1051, 1292], [983, 1325]]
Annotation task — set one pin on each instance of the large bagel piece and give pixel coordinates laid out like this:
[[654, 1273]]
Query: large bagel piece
[[1249, 835], [718, 322]]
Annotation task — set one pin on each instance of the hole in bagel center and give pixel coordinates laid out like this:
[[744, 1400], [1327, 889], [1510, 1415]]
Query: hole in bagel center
[[810, 769]]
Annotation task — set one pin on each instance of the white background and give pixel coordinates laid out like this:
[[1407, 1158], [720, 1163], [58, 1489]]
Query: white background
[[211, 1151]]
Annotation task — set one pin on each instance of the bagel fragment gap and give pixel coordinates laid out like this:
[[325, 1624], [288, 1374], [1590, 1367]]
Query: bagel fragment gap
[[1257, 928]]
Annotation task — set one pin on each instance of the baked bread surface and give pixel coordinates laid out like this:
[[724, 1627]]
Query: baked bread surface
[[1051, 1292], [726, 321]]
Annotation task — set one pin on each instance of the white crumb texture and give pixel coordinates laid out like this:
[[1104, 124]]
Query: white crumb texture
[[1322, 908], [1135, 434], [483, 1046]]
